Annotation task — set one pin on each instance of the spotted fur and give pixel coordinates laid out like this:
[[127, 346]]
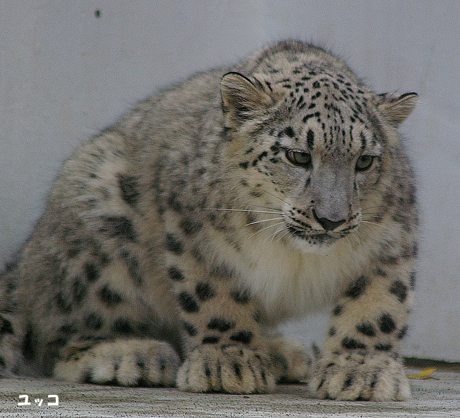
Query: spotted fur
[[174, 241]]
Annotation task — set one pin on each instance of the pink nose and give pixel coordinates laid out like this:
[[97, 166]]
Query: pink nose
[[327, 224]]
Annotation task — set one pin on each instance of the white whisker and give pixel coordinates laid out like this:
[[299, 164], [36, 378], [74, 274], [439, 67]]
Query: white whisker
[[264, 220], [284, 229], [247, 210], [275, 196], [264, 207], [267, 227]]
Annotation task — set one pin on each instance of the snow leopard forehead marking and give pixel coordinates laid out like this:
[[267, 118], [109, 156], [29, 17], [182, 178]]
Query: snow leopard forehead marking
[[325, 110]]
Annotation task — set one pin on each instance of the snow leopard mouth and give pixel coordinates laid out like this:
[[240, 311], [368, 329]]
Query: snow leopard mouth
[[319, 238]]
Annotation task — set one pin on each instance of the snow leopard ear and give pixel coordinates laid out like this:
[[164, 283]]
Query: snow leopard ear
[[241, 98], [397, 108]]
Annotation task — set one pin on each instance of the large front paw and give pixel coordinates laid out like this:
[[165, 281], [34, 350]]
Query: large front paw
[[126, 363], [360, 375], [230, 368]]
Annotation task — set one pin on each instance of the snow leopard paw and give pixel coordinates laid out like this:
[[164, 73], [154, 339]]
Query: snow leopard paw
[[293, 362], [229, 368], [360, 375], [127, 363]]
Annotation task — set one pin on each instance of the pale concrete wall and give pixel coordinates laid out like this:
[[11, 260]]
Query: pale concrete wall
[[65, 73]]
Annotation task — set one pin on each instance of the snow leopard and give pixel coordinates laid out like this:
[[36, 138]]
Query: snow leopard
[[175, 241]]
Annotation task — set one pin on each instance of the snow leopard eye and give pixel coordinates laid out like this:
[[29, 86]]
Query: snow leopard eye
[[302, 159], [364, 162]]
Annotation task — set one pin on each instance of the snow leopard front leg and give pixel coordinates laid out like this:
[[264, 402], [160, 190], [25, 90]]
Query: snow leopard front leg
[[225, 346], [361, 357], [226, 351]]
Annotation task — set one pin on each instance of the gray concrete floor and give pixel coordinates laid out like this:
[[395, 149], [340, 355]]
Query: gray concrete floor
[[431, 398]]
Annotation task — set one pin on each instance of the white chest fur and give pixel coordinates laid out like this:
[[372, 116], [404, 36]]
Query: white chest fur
[[290, 283]]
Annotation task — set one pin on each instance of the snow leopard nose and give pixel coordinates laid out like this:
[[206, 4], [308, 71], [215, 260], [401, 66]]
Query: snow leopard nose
[[326, 223]]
